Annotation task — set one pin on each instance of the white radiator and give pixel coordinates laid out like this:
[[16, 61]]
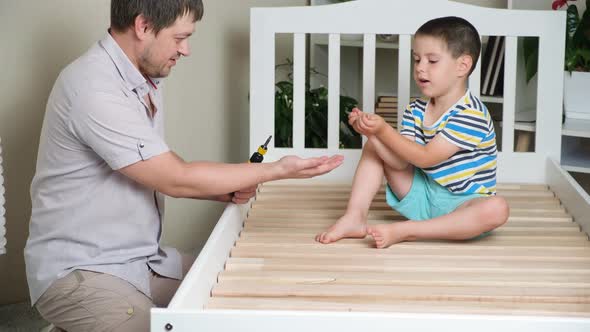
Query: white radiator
[[2, 210]]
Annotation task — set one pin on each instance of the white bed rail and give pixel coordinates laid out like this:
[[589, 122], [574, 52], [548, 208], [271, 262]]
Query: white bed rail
[[573, 197], [377, 18]]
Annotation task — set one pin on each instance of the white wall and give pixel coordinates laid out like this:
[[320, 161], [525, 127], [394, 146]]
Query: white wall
[[206, 103], [38, 38]]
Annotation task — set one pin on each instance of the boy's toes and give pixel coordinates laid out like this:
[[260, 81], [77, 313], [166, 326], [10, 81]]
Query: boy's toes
[[320, 237], [323, 237]]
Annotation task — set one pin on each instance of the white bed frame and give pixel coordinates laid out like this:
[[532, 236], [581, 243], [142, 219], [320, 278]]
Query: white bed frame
[[370, 17]]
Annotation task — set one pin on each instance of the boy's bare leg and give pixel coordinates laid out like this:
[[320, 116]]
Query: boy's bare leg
[[469, 220], [367, 180]]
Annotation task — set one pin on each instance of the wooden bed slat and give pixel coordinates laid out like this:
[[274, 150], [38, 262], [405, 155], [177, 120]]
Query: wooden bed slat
[[551, 253], [552, 224], [346, 193], [293, 212], [406, 292], [319, 225], [312, 231], [406, 278], [376, 218], [289, 215], [550, 204], [490, 240], [318, 185], [405, 263], [440, 245]]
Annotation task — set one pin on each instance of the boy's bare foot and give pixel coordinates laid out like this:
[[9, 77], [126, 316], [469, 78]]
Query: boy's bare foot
[[386, 234], [348, 226]]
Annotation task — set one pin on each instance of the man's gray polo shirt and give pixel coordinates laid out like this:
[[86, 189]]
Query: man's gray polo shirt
[[85, 214]]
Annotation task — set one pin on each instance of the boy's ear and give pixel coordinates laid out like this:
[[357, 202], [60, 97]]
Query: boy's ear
[[464, 64]]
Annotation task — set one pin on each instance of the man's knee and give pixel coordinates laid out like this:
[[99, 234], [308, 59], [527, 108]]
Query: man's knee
[[89, 301]]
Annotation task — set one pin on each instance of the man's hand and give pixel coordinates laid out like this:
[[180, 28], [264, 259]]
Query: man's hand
[[238, 197], [293, 167], [243, 196], [365, 123]]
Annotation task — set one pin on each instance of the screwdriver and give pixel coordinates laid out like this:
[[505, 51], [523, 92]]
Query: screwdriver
[[258, 156]]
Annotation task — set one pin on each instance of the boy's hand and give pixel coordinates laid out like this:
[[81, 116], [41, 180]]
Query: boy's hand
[[365, 123], [354, 116]]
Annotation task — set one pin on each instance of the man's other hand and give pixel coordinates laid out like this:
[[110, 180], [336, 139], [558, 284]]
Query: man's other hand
[[243, 196]]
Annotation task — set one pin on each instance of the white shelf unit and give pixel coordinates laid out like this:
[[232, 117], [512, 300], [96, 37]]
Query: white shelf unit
[[345, 42], [575, 144]]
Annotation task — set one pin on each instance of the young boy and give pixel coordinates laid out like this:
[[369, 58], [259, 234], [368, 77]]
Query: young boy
[[441, 168]]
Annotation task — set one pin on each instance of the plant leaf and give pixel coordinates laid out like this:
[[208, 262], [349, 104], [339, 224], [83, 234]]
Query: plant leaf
[[573, 18]]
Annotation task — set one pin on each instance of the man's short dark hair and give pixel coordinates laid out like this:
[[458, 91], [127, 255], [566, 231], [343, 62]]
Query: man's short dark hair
[[160, 13], [460, 36]]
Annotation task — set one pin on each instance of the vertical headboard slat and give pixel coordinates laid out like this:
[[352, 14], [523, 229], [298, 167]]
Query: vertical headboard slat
[[550, 88], [509, 95], [334, 91], [262, 76], [404, 77], [369, 45], [474, 79], [299, 91]]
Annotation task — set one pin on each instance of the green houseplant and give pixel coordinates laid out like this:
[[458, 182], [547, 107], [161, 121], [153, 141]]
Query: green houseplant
[[577, 60], [577, 48], [316, 115]]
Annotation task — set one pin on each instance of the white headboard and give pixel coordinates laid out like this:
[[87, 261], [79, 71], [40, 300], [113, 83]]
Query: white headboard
[[2, 211], [371, 17]]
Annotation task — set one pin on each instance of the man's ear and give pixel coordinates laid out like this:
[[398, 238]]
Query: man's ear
[[142, 27], [464, 64]]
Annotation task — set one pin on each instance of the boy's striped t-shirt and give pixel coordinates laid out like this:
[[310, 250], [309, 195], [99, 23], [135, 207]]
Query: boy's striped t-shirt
[[467, 124]]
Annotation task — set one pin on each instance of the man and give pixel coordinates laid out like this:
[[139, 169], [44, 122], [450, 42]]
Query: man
[[93, 257]]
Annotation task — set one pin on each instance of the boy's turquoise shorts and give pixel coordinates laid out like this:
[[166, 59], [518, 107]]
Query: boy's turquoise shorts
[[426, 199]]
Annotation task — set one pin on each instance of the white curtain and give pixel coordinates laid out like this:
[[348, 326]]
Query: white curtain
[[2, 211]]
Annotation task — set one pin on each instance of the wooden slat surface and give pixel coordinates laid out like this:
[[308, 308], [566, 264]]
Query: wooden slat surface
[[536, 264]]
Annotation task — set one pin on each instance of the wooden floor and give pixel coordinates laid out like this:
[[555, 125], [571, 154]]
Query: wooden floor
[[536, 264]]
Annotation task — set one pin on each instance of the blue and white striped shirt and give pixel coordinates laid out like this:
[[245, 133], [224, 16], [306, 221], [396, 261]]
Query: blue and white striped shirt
[[468, 125]]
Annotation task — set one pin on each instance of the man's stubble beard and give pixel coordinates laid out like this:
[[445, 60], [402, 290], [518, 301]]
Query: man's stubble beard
[[146, 66]]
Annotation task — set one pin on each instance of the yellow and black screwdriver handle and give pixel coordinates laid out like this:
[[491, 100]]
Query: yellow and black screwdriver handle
[[258, 156]]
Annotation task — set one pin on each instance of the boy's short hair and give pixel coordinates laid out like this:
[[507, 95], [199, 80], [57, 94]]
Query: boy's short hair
[[460, 36], [160, 13]]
